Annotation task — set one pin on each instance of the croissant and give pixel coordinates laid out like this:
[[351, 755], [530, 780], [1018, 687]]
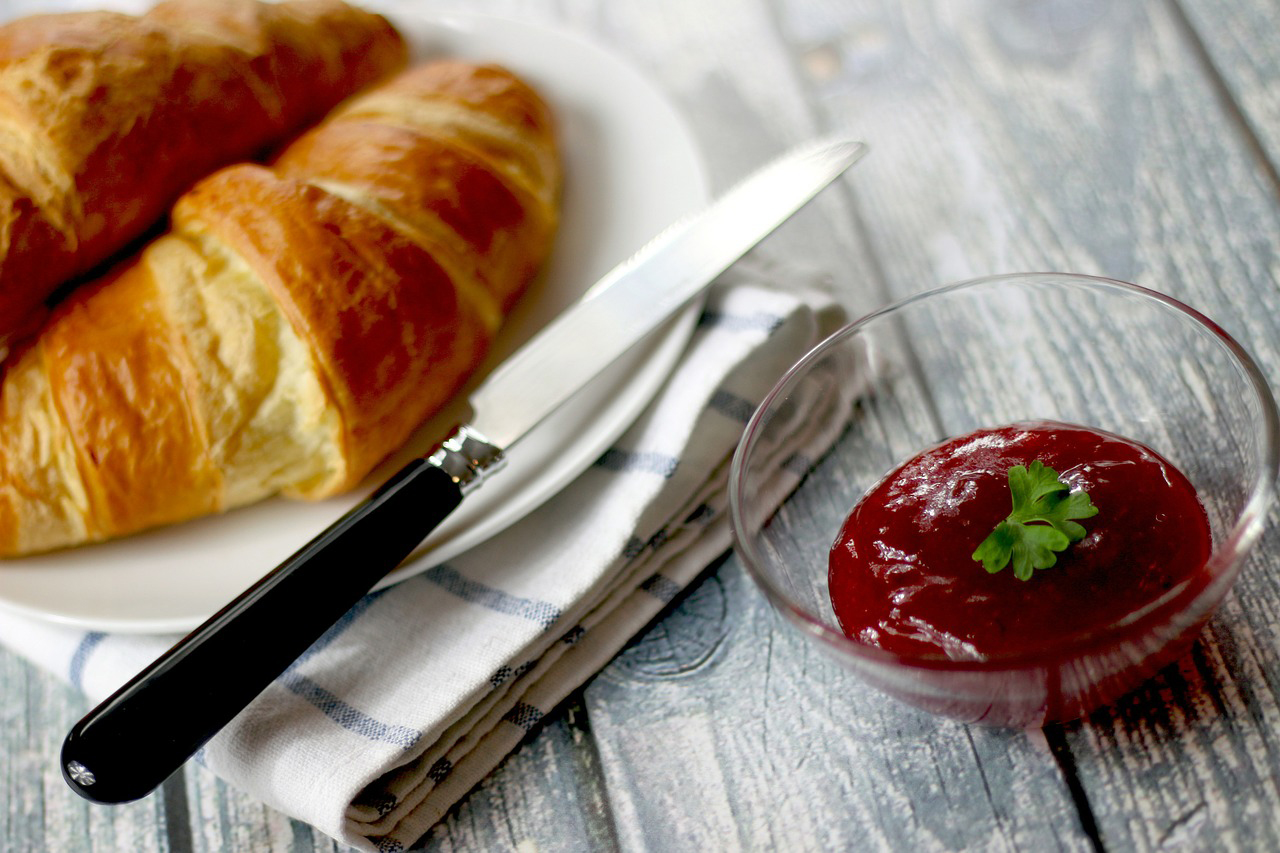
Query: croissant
[[297, 322], [106, 118]]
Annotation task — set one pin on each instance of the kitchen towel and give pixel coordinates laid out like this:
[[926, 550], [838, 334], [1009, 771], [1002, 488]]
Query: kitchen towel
[[424, 687]]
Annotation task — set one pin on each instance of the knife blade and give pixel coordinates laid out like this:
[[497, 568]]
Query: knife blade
[[130, 743]]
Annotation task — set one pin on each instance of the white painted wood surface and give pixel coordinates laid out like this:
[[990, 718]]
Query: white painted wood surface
[[1139, 140]]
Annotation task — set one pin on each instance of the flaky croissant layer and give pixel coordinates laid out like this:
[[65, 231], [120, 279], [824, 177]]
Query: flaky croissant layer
[[297, 323], [106, 118]]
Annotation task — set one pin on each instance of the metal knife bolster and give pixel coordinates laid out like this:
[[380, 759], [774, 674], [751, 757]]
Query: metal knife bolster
[[468, 458]]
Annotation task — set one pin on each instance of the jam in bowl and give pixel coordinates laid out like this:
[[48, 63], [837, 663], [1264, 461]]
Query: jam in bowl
[[1010, 500]]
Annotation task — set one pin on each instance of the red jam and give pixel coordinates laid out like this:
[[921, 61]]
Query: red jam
[[903, 579]]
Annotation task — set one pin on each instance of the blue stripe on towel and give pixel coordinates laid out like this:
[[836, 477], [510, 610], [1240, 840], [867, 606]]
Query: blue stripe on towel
[[701, 514], [442, 768], [505, 673], [329, 704], [524, 715], [626, 460], [337, 629], [798, 464], [662, 588], [542, 612], [351, 719], [634, 548], [354, 720], [741, 322], [732, 406], [75, 670]]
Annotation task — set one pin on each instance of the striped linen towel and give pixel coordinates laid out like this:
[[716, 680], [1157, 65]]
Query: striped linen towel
[[424, 687]]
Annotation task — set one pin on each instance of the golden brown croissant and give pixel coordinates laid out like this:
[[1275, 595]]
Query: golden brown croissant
[[106, 118], [296, 324]]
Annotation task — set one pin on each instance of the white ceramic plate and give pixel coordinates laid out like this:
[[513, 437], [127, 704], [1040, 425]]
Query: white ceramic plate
[[631, 168]]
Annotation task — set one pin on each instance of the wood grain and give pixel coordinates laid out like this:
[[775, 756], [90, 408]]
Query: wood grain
[[38, 810], [770, 745], [1134, 140]]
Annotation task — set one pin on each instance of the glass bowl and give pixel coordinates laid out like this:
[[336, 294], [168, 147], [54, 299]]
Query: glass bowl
[[1031, 347]]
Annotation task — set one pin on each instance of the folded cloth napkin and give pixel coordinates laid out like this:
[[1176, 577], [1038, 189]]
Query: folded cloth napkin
[[424, 687]]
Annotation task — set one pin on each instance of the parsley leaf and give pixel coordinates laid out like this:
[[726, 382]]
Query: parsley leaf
[[1039, 525]]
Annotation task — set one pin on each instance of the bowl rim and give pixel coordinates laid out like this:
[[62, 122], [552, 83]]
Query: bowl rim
[[1225, 558]]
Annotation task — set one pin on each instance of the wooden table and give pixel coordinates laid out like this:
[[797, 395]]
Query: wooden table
[[1137, 140]]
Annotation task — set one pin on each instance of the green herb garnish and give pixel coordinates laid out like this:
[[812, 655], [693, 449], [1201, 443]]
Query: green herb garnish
[[1039, 525]]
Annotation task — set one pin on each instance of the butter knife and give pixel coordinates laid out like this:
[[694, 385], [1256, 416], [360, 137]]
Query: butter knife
[[129, 744]]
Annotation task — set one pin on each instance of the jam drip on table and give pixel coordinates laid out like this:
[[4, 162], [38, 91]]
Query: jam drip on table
[[902, 577]]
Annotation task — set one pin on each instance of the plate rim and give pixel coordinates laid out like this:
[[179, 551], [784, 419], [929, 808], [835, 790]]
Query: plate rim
[[456, 25]]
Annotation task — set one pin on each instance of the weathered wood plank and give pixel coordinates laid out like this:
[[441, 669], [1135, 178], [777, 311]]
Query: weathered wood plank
[[38, 811], [723, 729], [1086, 137], [218, 817], [1239, 39], [1083, 136], [547, 796], [1188, 761]]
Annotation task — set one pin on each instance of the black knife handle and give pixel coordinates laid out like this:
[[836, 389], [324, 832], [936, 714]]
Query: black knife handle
[[133, 741]]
